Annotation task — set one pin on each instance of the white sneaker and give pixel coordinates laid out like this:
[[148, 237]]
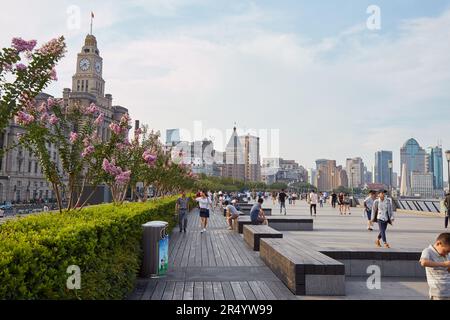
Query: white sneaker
[[203, 230], [230, 228]]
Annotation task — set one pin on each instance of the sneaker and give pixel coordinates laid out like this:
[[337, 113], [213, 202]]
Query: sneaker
[[203, 230], [184, 230], [378, 243], [230, 228], [386, 245]]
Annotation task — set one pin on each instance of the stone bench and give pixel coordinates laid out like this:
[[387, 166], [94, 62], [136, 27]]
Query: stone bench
[[395, 262], [304, 271], [280, 223], [253, 235], [267, 211]]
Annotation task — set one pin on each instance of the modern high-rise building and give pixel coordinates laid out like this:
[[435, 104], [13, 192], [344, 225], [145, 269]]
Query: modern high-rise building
[[413, 158], [436, 167], [355, 172], [422, 185], [382, 171]]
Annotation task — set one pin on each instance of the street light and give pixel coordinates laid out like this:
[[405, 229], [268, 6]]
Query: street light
[[352, 170], [447, 154], [390, 165]]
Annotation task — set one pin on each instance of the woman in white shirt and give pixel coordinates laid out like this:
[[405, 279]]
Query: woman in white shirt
[[204, 203]]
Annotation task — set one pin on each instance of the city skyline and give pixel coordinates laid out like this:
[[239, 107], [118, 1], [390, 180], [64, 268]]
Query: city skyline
[[223, 68]]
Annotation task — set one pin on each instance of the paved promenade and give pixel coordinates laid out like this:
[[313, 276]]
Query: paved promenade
[[218, 265]]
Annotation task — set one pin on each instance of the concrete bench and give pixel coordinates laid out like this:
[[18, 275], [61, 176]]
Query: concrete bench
[[290, 223], [280, 223], [253, 235], [304, 271], [267, 211], [395, 262]]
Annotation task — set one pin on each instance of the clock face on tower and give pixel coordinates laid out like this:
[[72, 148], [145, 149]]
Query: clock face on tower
[[98, 67], [85, 64]]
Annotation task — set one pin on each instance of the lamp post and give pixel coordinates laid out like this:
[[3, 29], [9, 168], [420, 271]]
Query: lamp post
[[390, 165], [447, 154], [352, 170]]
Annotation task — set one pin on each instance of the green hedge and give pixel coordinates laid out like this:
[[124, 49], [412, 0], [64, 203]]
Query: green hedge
[[104, 241]]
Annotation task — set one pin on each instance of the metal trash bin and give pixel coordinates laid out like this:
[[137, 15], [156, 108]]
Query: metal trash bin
[[155, 244]]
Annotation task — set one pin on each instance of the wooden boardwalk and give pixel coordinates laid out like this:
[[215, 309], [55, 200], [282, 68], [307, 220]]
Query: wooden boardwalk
[[215, 265]]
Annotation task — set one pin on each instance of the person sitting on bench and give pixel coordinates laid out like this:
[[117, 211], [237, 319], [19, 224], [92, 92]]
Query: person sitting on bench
[[257, 213]]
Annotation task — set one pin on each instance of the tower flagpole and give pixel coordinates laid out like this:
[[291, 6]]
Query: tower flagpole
[[92, 21]]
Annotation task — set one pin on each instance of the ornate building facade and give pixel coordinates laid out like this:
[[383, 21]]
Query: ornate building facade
[[21, 177]]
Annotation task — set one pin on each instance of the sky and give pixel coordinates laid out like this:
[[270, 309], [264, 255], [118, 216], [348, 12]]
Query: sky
[[311, 70]]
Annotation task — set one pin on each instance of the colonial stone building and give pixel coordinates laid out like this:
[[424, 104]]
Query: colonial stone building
[[21, 177]]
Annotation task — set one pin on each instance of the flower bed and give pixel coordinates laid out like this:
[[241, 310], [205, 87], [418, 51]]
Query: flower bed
[[104, 241]]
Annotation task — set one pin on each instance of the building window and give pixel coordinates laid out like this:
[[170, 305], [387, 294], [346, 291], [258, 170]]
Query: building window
[[86, 50], [82, 85], [29, 166], [87, 85], [78, 85], [35, 167]]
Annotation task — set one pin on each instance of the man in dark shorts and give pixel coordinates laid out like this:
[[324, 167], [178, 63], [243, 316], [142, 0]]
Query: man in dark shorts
[[282, 199], [334, 199], [257, 214]]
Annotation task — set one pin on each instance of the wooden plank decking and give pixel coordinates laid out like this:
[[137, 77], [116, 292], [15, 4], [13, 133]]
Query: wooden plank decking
[[215, 265]]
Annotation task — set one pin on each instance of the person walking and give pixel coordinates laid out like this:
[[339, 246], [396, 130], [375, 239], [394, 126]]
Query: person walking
[[436, 261], [368, 205], [294, 198], [282, 199], [341, 203], [347, 204], [182, 207], [205, 204], [313, 199], [257, 215], [383, 214], [274, 197], [333, 199], [447, 209], [321, 200]]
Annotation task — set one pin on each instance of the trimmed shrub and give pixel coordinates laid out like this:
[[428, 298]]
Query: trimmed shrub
[[104, 241]]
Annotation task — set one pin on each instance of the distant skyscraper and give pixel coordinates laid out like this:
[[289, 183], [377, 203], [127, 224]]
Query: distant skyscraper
[[436, 167], [172, 137], [413, 156], [382, 172], [355, 178]]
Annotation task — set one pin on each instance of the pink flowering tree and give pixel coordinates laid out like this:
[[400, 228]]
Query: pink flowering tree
[[130, 162], [25, 72], [74, 132]]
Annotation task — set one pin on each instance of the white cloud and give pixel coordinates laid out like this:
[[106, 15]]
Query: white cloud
[[347, 95]]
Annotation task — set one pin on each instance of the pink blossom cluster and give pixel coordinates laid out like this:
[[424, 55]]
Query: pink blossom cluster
[[21, 67], [125, 120], [22, 45], [53, 47], [53, 75], [24, 119], [123, 178], [92, 109], [53, 119], [149, 158], [100, 119], [87, 151], [111, 168], [115, 128], [73, 137]]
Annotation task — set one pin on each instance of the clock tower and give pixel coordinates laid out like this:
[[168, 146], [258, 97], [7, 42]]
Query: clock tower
[[88, 77]]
